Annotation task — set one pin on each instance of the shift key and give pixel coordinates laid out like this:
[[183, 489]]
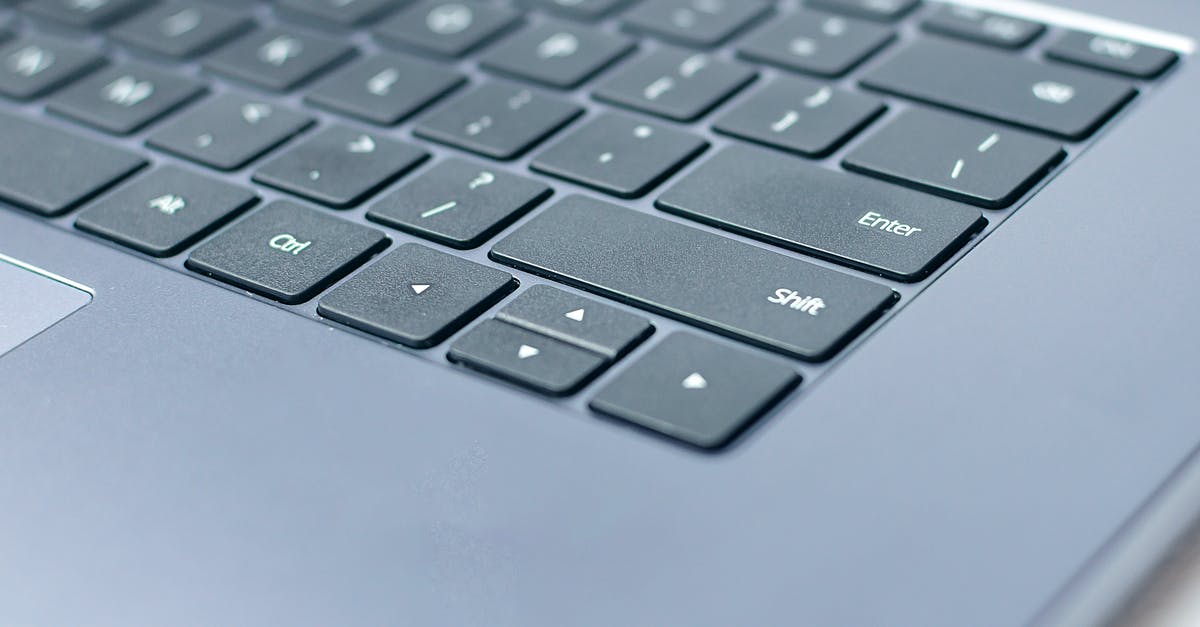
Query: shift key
[[846, 218], [740, 290]]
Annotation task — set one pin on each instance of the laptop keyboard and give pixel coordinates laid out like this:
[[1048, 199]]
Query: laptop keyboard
[[668, 212]]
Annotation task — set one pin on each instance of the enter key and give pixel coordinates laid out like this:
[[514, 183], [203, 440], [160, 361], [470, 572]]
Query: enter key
[[849, 219]]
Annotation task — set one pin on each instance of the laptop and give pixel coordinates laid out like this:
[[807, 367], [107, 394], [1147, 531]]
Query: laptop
[[595, 312]]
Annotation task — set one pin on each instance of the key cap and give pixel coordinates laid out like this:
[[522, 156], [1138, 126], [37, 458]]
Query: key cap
[[727, 286], [981, 163], [801, 116], [576, 9], [696, 390], [277, 59], [619, 155], [459, 203], [181, 30], [384, 89], [701, 23], [286, 252], [83, 14], [166, 211], [497, 121], [340, 166], [584, 322], [557, 54], [1062, 101], [33, 66], [816, 43], [526, 358], [124, 98], [416, 296], [229, 131], [865, 224], [450, 29], [50, 172], [343, 13], [1112, 55], [982, 27], [879, 10], [675, 84]]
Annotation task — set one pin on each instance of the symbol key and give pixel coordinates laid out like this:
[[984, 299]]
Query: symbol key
[[879, 10], [124, 98], [497, 121], [448, 29], [340, 12], [816, 43], [286, 252], [340, 166], [33, 66], [675, 84], [459, 203], [577, 320], [526, 358], [976, 162], [557, 54], [416, 296], [576, 9], [983, 27], [277, 59], [384, 89], [182, 30], [166, 211], [801, 116], [228, 131], [697, 390], [619, 155], [698, 23], [83, 13]]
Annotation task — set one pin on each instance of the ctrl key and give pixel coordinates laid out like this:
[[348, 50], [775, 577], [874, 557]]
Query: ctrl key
[[286, 252], [697, 390]]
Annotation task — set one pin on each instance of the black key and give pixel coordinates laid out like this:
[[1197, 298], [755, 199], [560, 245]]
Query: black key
[[339, 12], [340, 166], [577, 320], [619, 155], [557, 54], [277, 59], [695, 22], [229, 131], [697, 390], [497, 121], [740, 290], [879, 10], [459, 203], [801, 116], [577, 9], [384, 89], [50, 172], [286, 252], [124, 98], [1113, 55], [449, 29], [83, 13], [816, 43], [181, 30], [849, 219], [1064, 101], [675, 84], [416, 296], [165, 211], [982, 27], [977, 162], [33, 66], [526, 358]]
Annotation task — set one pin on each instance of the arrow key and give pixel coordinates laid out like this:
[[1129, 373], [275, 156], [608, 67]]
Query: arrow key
[[526, 358], [416, 296], [696, 390], [577, 320]]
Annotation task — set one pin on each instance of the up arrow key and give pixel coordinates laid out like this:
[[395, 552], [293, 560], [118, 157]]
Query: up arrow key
[[576, 315], [695, 381], [419, 288]]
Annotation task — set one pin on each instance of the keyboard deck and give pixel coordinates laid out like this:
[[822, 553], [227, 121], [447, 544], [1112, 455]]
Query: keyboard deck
[[677, 214]]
